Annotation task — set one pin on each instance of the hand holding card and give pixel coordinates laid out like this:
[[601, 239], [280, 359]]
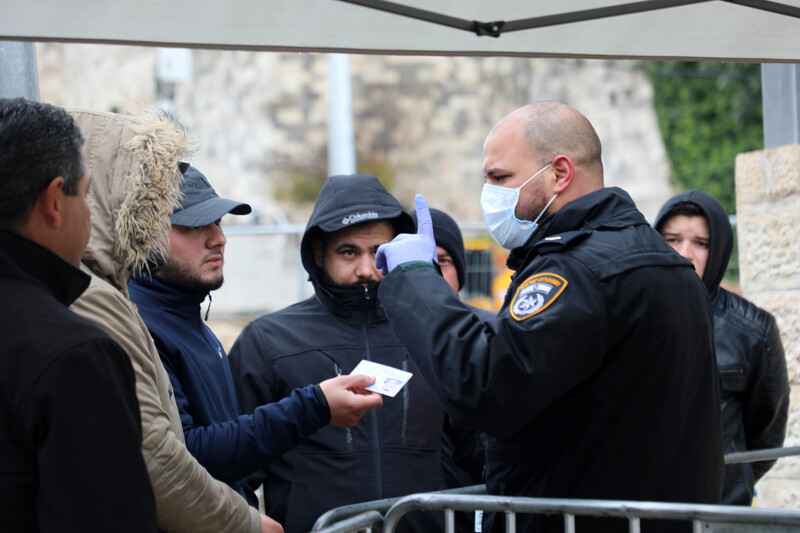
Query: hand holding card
[[388, 380], [348, 398]]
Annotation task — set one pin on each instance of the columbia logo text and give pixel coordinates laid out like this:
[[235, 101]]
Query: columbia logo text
[[359, 217]]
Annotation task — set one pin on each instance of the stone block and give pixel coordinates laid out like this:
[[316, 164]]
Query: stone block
[[767, 175], [779, 494], [769, 244], [789, 467]]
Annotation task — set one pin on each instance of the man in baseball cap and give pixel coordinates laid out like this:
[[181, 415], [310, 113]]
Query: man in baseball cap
[[230, 446]]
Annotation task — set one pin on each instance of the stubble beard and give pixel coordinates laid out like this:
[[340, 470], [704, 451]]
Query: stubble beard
[[181, 275], [533, 209]]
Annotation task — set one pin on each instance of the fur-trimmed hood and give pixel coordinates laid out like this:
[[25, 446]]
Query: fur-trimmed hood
[[133, 163]]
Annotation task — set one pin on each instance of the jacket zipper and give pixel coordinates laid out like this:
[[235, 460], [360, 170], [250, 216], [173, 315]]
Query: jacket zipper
[[376, 441], [348, 432]]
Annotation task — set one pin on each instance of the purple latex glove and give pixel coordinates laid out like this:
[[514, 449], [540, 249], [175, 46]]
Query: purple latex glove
[[408, 247]]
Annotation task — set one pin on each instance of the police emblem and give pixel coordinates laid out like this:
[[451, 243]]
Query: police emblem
[[535, 294]]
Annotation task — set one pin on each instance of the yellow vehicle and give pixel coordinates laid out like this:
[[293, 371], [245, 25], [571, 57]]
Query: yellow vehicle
[[487, 277]]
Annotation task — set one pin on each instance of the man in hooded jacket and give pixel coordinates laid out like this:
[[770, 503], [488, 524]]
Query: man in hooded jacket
[[135, 183], [754, 385], [392, 451]]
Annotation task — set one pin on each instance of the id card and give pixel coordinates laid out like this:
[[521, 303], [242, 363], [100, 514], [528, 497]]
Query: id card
[[388, 380]]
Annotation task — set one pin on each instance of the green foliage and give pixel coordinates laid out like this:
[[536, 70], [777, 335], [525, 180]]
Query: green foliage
[[708, 113], [305, 178]]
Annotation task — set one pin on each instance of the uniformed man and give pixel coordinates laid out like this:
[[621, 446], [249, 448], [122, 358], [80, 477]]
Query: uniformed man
[[597, 378]]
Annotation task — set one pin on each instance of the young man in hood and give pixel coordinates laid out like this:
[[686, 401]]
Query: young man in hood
[[69, 420], [392, 451], [135, 182], [597, 378], [230, 446], [754, 385]]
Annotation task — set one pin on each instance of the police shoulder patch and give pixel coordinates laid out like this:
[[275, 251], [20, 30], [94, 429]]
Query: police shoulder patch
[[535, 294]]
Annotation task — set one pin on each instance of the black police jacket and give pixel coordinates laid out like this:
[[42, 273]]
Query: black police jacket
[[597, 377]]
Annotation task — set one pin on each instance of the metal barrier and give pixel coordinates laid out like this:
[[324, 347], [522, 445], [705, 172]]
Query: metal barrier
[[382, 516], [766, 454], [704, 518]]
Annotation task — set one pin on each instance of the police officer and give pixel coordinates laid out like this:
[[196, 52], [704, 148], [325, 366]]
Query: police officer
[[597, 378]]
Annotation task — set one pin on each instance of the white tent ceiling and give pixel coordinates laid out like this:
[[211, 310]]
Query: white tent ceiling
[[698, 30]]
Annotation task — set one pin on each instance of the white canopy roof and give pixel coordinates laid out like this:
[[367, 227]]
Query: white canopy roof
[[735, 30]]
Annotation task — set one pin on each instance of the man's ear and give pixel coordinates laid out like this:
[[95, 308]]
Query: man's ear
[[318, 250], [50, 204], [564, 170]]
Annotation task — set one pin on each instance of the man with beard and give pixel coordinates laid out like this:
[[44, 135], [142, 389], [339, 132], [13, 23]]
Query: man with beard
[[230, 446], [390, 452], [597, 378]]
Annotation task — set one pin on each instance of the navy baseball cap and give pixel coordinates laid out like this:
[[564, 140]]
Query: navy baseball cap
[[201, 205]]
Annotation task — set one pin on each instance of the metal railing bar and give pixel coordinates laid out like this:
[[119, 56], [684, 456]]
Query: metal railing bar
[[766, 454], [339, 513], [511, 522], [449, 521], [604, 508], [569, 523], [366, 520]]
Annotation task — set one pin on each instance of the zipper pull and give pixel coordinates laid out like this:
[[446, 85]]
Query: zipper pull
[[366, 292]]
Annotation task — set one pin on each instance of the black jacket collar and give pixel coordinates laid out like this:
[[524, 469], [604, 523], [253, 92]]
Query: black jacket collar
[[25, 259], [610, 207], [349, 301]]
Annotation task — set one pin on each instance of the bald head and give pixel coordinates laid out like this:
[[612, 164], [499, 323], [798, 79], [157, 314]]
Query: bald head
[[552, 128], [547, 136]]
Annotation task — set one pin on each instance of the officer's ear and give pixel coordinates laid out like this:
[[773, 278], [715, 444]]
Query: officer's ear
[[564, 171]]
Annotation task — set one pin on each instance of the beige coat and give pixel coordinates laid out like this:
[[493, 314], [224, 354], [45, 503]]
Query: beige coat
[[133, 162]]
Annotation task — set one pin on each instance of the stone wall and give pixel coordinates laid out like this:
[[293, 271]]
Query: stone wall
[[262, 117], [768, 207], [420, 122]]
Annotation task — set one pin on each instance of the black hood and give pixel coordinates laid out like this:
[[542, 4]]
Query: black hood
[[345, 201], [719, 228]]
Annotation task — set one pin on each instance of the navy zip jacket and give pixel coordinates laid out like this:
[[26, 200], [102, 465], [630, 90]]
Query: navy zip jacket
[[229, 445], [596, 379]]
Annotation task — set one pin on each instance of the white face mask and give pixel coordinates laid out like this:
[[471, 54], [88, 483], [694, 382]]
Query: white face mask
[[498, 205]]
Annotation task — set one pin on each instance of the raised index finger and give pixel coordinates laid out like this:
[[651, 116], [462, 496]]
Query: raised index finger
[[424, 224]]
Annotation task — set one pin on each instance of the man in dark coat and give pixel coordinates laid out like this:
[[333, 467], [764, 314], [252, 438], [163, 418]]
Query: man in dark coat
[[754, 385], [392, 451], [597, 377], [70, 433]]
